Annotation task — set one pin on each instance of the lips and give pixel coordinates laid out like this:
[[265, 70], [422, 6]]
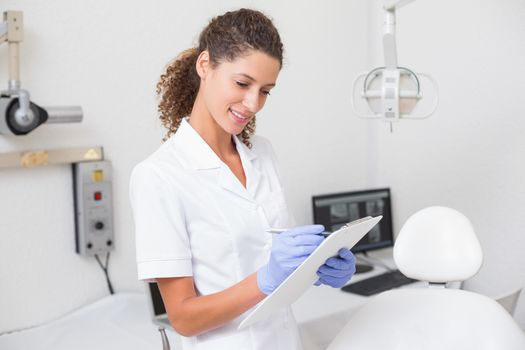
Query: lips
[[239, 117]]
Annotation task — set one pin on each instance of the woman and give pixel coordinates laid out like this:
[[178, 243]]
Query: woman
[[203, 200]]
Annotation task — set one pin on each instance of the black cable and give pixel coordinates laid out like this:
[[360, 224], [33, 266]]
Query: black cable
[[105, 269]]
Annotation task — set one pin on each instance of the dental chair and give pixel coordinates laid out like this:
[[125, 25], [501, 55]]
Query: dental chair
[[437, 245]]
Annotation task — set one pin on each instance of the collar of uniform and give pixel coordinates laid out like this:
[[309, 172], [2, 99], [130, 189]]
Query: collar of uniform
[[249, 163], [244, 151], [197, 153]]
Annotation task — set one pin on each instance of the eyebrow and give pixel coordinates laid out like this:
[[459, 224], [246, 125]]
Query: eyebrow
[[253, 79]]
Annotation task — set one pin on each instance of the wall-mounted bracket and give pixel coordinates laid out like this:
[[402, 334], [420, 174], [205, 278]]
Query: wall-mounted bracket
[[32, 158]]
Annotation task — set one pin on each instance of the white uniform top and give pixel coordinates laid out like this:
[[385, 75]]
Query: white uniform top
[[194, 218]]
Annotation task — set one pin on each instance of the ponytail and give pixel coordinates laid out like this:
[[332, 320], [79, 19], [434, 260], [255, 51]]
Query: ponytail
[[177, 90]]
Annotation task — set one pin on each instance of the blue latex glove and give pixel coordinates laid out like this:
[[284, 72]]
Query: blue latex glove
[[337, 270], [289, 250]]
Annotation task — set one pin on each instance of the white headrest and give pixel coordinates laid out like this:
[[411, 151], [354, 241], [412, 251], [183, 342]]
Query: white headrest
[[438, 244]]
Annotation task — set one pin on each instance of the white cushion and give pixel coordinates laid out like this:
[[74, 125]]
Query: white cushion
[[438, 244]]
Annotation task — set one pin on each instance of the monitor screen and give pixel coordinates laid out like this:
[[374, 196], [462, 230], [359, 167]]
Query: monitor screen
[[156, 299], [335, 210]]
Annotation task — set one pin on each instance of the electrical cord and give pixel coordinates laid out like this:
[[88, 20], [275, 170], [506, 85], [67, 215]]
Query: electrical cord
[[105, 269], [22, 329]]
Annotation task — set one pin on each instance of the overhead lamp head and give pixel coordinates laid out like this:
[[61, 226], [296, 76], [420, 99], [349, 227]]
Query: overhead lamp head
[[392, 92]]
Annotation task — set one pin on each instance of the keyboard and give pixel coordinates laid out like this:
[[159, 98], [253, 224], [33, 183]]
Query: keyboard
[[379, 283]]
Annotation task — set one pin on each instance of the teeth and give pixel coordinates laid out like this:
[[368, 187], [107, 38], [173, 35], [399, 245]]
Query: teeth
[[237, 114]]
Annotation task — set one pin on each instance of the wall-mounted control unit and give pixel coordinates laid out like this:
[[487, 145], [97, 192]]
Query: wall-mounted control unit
[[93, 207]]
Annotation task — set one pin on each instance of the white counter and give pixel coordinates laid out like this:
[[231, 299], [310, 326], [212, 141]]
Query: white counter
[[122, 321]]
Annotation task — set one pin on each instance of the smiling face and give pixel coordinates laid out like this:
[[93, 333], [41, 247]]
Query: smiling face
[[233, 92]]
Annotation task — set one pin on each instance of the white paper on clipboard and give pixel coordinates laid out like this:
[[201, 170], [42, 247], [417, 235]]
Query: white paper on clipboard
[[306, 274]]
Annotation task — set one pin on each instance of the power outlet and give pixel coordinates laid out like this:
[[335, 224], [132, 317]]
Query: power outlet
[[92, 193]]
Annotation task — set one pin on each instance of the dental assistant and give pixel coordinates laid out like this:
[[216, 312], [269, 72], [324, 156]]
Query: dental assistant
[[202, 201]]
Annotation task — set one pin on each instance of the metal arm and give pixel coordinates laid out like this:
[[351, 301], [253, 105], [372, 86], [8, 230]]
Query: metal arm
[[27, 115], [389, 39], [12, 32], [392, 5], [389, 26], [164, 337]]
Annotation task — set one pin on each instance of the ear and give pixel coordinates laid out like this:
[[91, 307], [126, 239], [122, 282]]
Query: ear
[[203, 64]]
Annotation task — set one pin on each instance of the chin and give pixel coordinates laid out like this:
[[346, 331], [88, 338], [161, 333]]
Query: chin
[[236, 131], [233, 128], [229, 125]]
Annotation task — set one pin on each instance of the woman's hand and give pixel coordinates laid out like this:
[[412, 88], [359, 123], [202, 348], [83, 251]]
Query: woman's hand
[[289, 250], [338, 270]]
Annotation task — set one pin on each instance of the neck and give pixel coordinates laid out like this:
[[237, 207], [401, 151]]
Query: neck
[[212, 133]]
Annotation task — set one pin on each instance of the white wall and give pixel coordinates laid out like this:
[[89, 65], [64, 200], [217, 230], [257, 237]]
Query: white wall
[[107, 56], [469, 155]]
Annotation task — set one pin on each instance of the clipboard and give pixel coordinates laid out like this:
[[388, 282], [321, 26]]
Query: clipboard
[[306, 274]]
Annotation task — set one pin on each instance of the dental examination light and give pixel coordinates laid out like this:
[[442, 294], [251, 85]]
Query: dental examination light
[[18, 115], [392, 92]]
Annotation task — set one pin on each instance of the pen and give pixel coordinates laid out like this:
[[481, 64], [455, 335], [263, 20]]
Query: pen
[[281, 230]]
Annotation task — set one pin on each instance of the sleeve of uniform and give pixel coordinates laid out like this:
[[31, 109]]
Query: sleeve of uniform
[[161, 238]]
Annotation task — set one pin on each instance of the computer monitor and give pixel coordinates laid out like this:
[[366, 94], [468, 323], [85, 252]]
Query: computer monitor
[[336, 209], [156, 305]]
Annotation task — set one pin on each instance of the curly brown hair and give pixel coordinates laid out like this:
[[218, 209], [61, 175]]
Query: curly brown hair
[[226, 37]]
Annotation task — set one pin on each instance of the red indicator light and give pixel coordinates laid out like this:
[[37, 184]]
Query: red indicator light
[[98, 196]]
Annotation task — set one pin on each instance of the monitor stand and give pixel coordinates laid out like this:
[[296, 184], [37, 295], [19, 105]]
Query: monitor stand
[[362, 268]]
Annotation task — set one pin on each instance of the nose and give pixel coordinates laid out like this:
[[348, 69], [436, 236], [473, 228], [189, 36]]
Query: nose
[[252, 101]]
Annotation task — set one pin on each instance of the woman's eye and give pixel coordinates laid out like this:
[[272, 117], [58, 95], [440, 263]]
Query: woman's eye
[[241, 84], [266, 93]]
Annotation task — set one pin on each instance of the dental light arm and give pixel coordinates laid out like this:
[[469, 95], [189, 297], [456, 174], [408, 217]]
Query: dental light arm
[[18, 115], [392, 5], [391, 92], [389, 36]]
